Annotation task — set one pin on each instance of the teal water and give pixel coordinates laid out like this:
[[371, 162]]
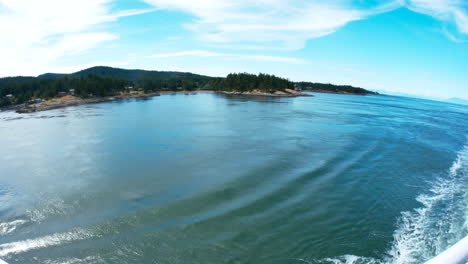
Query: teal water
[[212, 179]]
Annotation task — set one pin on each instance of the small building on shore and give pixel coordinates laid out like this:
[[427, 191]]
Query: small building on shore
[[61, 94], [71, 91], [36, 100], [9, 96]]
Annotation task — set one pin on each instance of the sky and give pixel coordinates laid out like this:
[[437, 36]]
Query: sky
[[417, 47]]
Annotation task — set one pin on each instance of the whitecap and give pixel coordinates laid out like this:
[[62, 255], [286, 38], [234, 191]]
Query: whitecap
[[43, 242], [9, 227], [429, 230]]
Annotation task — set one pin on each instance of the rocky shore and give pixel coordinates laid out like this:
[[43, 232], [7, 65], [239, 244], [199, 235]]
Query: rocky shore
[[342, 92], [73, 101], [285, 93]]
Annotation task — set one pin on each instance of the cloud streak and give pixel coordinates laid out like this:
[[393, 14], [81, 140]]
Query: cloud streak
[[454, 12], [36, 34], [272, 23], [288, 24], [204, 53], [269, 23]]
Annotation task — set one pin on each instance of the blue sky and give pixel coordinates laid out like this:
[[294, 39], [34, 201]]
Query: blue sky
[[417, 47]]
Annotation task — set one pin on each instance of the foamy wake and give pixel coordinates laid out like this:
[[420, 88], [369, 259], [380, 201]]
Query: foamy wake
[[8, 227], [427, 231], [42, 242], [89, 259]]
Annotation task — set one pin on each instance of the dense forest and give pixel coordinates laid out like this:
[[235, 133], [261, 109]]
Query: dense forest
[[96, 81], [106, 81], [243, 82]]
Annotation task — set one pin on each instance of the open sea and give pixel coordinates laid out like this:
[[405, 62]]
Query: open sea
[[214, 179]]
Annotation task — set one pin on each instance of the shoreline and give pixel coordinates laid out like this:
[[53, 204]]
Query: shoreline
[[288, 93], [56, 103], [339, 92], [23, 109]]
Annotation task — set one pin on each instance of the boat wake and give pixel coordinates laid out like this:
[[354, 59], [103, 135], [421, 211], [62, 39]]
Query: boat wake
[[42, 242], [429, 230], [9, 227]]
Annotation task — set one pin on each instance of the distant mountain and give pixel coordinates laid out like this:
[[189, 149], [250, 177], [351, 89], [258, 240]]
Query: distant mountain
[[96, 82], [135, 75], [51, 75]]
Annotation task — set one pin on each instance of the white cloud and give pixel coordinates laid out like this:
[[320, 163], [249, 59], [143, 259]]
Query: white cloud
[[203, 53], [451, 11], [35, 34], [288, 24], [273, 23]]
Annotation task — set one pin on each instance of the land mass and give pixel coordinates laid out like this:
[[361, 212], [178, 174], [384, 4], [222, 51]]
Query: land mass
[[98, 84]]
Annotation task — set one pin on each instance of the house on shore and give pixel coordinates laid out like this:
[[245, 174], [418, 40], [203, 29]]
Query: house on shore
[[36, 100]]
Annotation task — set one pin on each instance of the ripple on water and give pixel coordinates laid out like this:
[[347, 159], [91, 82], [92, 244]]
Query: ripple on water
[[429, 230]]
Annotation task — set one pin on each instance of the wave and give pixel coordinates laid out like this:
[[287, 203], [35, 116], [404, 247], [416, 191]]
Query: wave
[[42, 242], [421, 234], [8, 227], [429, 230]]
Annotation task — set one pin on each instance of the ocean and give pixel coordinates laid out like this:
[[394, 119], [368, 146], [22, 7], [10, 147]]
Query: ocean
[[209, 178]]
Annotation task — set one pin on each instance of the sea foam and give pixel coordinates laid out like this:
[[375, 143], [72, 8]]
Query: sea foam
[[42, 242], [429, 230]]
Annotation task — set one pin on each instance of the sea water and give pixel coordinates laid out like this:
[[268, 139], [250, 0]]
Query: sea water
[[209, 178]]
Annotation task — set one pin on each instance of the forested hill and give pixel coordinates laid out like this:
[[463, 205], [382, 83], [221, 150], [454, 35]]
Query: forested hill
[[138, 75], [105, 81], [332, 88], [96, 81]]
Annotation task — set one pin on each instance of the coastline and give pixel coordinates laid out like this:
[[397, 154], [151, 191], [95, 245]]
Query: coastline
[[340, 92], [53, 104], [288, 93], [75, 101]]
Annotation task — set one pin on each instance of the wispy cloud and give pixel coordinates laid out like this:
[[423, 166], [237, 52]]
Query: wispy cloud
[[288, 24], [273, 23], [451, 11], [204, 53], [35, 34]]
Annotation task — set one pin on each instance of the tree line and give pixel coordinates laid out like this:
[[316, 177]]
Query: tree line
[[23, 89], [106, 81], [245, 82], [19, 90]]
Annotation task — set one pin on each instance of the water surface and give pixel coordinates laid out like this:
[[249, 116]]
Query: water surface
[[213, 179]]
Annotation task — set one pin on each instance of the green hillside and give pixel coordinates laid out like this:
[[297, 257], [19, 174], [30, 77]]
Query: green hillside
[[105, 81]]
